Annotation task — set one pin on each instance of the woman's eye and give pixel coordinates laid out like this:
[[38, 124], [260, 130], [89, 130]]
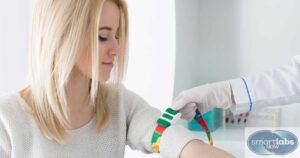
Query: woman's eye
[[102, 39]]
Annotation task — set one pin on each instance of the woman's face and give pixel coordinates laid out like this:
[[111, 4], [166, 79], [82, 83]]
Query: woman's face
[[108, 43]]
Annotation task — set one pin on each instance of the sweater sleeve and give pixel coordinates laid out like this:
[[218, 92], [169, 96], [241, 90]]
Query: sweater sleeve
[[141, 122], [274, 87], [5, 145]]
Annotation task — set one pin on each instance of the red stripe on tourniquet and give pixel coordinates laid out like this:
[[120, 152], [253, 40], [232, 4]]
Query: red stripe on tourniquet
[[160, 129], [202, 123]]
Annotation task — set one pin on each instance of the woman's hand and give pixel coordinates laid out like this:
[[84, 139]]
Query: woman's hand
[[199, 149], [203, 97]]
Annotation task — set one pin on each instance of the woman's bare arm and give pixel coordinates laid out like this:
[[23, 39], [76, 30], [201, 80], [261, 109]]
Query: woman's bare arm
[[199, 149]]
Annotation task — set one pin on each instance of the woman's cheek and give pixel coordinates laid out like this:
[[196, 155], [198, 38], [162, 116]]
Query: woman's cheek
[[84, 64]]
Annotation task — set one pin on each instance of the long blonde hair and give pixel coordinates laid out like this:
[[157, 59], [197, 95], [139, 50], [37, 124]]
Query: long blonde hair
[[61, 30]]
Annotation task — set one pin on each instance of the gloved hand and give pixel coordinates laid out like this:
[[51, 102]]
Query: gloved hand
[[204, 98]]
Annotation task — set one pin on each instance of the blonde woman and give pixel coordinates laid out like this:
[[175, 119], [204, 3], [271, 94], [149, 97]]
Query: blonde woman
[[75, 104]]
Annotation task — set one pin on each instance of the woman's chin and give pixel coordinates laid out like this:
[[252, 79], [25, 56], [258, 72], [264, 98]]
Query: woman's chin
[[104, 79]]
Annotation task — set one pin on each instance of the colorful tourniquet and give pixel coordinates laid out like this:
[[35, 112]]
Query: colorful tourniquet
[[170, 117]]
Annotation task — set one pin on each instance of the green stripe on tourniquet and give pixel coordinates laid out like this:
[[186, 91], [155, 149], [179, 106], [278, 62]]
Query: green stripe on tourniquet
[[171, 111], [163, 123], [167, 116], [155, 137]]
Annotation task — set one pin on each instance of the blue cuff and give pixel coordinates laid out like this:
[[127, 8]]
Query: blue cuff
[[243, 95], [248, 93]]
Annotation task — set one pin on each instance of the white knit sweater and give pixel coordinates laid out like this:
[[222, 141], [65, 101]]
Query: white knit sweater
[[133, 122]]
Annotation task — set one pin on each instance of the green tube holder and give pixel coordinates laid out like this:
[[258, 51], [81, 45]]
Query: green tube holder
[[214, 119]]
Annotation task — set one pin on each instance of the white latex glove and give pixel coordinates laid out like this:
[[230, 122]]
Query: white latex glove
[[204, 98]]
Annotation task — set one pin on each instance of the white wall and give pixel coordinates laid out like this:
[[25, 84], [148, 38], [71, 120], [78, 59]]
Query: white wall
[[152, 50], [269, 33], [206, 42], [14, 35]]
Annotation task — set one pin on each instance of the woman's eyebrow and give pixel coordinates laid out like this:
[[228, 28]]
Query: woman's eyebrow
[[105, 28]]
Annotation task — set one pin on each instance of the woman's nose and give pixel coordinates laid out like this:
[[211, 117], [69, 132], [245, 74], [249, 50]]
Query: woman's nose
[[115, 48]]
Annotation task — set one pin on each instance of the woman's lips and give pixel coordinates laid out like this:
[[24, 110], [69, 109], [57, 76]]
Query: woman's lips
[[108, 64]]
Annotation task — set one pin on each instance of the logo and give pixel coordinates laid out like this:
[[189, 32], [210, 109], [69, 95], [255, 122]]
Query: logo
[[268, 142]]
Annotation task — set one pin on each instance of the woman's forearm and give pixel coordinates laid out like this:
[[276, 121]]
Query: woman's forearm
[[199, 149]]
